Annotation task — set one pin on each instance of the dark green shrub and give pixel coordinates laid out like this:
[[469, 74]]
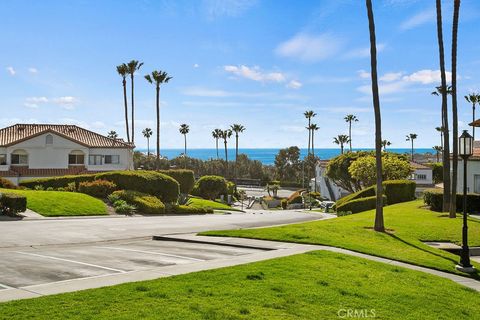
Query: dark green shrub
[[122, 207], [367, 192], [284, 203], [434, 199], [182, 209], [57, 182], [97, 188], [399, 190], [359, 205], [296, 199], [210, 187], [231, 188], [437, 171], [185, 178], [11, 203], [144, 203], [7, 184]]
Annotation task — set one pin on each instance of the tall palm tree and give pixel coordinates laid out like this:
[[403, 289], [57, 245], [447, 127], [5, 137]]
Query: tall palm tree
[[184, 129], [453, 202], [411, 137], [440, 129], [112, 135], [341, 139], [147, 133], [385, 144], [438, 150], [226, 134], [158, 78], [313, 127], [379, 222], [444, 91], [237, 128], [132, 67], [123, 71], [473, 98], [217, 134], [309, 115], [350, 118]]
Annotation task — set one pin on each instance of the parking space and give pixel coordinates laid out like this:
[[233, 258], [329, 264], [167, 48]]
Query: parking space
[[48, 264]]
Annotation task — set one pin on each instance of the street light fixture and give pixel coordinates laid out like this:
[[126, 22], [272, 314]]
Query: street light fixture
[[465, 150]]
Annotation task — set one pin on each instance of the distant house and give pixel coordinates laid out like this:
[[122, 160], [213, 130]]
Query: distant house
[[473, 171], [422, 175], [45, 150]]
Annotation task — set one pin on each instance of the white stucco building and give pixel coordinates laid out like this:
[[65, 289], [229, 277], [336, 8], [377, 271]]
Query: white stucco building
[[44, 150], [473, 171]]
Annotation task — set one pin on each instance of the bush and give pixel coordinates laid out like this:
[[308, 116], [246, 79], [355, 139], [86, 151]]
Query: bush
[[294, 197], [399, 190], [210, 187], [359, 205], [231, 188], [434, 199], [57, 182], [437, 171], [122, 207], [97, 188], [182, 209], [144, 203], [11, 203], [154, 183], [7, 184], [284, 204], [367, 192], [185, 178]]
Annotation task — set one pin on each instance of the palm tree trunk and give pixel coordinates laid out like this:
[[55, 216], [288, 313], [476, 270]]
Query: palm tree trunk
[[379, 223], [185, 152], [124, 82], [148, 146], [446, 138], [412, 149], [236, 158], [341, 148], [473, 117], [158, 127], [314, 166], [216, 142], [453, 203], [133, 111], [309, 135], [226, 159], [441, 139], [350, 134], [438, 160]]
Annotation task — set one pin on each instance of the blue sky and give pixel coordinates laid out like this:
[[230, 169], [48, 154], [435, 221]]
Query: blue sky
[[258, 63]]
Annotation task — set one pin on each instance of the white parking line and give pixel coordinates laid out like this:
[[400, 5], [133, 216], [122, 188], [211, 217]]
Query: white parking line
[[72, 261], [4, 286], [153, 252]]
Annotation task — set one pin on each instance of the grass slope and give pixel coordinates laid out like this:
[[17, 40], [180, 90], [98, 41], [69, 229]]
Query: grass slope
[[203, 203], [316, 285], [60, 203], [408, 225]]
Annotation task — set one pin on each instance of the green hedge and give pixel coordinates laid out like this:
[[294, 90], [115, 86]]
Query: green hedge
[[185, 178], [144, 203], [367, 192], [399, 190], [434, 199], [182, 209], [12, 203], [211, 187], [57, 182], [97, 188], [359, 205]]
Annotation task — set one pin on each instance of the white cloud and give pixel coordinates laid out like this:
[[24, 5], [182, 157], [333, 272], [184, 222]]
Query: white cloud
[[229, 8], [418, 19], [363, 52], [391, 76], [310, 48], [295, 129], [254, 73], [196, 65], [66, 102], [11, 70], [205, 92], [294, 84], [384, 88], [346, 110], [33, 70], [33, 102], [363, 74], [427, 76]]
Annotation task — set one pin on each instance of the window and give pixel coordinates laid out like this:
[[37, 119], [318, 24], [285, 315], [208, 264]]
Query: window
[[76, 159], [3, 159], [476, 181], [95, 160], [421, 177], [112, 159], [20, 159], [49, 139]]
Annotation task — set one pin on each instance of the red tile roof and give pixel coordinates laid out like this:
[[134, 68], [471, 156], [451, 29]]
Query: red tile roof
[[24, 171], [21, 132], [416, 165]]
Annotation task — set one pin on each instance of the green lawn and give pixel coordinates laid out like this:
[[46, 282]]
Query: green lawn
[[316, 285], [202, 203], [408, 225], [60, 203]]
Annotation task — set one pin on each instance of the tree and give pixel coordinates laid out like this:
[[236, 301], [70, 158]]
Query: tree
[[473, 98], [217, 134], [132, 67], [385, 144], [147, 133], [112, 135], [287, 164], [123, 71], [237, 128], [443, 90], [226, 134], [393, 168], [453, 202], [438, 150], [350, 118], [379, 223], [341, 139], [309, 115], [184, 129], [313, 128], [411, 137], [440, 129], [158, 78]]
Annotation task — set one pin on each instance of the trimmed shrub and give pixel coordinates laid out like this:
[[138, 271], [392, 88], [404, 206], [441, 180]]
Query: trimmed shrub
[[399, 190], [144, 203], [154, 183], [97, 188], [434, 199], [185, 178], [231, 188], [182, 209], [367, 192], [296, 197], [57, 182], [122, 207], [359, 205], [284, 204], [11, 203], [7, 184], [210, 187]]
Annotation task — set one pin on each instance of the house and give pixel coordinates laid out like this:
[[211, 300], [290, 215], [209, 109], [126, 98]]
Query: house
[[44, 150], [473, 171], [422, 175]]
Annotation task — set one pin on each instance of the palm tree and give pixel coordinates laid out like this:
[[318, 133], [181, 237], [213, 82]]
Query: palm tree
[[443, 90], [237, 128], [411, 137], [473, 98], [341, 139], [309, 115], [147, 133], [112, 135], [159, 78], [385, 144], [184, 129], [350, 118], [379, 222], [217, 134], [453, 203], [440, 129], [226, 134], [132, 67], [438, 150], [122, 71], [313, 127]]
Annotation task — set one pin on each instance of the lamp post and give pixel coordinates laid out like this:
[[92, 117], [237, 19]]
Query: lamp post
[[465, 143]]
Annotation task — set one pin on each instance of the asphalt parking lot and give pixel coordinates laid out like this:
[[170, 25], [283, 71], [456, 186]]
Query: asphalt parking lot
[[30, 266]]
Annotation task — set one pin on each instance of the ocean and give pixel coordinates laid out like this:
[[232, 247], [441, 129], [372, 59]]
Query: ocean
[[267, 156]]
